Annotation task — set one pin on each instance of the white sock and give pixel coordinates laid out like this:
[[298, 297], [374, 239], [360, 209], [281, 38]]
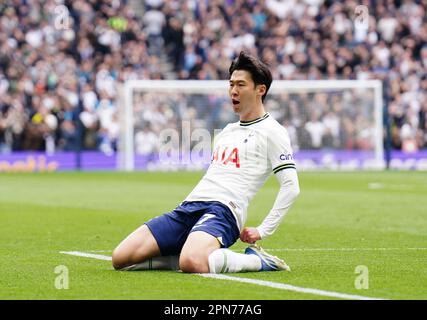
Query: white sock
[[156, 263], [225, 260]]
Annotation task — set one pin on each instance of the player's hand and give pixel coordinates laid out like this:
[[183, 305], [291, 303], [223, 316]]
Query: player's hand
[[250, 235]]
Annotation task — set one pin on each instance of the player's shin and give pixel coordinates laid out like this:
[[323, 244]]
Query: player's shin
[[225, 260], [156, 263]]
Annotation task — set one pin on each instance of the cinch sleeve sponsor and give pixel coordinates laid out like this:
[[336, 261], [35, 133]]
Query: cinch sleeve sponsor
[[280, 151]]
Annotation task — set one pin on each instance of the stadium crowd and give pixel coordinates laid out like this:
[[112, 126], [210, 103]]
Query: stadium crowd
[[62, 60]]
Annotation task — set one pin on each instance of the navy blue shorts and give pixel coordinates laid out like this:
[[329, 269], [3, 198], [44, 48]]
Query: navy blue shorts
[[172, 229]]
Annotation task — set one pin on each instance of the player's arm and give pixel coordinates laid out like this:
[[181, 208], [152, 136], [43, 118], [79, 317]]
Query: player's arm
[[288, 192], [279, 153]]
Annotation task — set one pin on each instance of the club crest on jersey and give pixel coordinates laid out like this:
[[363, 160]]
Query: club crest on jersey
[[226, 156], [250, 135]]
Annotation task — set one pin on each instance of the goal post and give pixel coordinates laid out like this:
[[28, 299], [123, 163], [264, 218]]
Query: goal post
[[332, 109]]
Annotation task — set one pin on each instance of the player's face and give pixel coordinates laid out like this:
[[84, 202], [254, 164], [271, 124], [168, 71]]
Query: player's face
[[243, 92]]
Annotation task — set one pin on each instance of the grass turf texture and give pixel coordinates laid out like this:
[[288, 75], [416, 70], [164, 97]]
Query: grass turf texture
[[42, 214]]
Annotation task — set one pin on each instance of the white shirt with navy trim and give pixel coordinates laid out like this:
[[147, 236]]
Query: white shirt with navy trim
[[244, 156]]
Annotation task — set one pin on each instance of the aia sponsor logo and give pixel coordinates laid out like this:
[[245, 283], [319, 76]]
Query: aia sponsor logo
[[226, 156]]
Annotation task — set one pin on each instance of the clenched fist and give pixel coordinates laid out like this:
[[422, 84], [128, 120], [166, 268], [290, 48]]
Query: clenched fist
[[250, 235]]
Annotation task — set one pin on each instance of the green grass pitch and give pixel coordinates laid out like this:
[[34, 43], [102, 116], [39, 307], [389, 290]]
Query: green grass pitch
[[339, 222]]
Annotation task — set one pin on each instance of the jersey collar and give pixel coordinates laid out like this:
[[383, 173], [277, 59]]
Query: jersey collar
[[248, 123]]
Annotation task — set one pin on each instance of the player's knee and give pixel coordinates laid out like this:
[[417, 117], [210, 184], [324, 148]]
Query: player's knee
[[193, 263], [119, 259]]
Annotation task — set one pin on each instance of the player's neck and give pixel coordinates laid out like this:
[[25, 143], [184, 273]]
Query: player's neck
[[253, 114]]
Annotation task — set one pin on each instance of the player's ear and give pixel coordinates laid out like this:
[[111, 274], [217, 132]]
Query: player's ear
[[261, 89]]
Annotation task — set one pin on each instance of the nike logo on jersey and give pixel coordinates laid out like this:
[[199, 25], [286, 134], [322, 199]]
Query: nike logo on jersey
[[226, 156]]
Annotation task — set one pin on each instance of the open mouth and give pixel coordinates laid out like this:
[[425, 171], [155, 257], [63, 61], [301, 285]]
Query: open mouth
[[235, 101]]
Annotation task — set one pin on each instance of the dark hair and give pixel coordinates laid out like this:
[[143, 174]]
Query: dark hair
[[259, 70]]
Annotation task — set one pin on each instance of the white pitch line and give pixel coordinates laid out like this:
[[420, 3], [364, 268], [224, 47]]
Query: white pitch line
[[289, 287], [377, 186], [344, 249], [87, 255], [270, 284], [309, 249]]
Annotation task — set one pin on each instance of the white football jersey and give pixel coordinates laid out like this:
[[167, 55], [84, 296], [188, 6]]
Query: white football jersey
[[244, 155]]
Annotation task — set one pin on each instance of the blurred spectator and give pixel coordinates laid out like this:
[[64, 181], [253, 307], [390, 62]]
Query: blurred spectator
[[316, 129], [146, 141]]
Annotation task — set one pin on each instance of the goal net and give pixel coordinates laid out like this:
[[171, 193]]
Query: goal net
[[170, 124]]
